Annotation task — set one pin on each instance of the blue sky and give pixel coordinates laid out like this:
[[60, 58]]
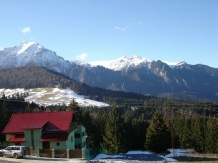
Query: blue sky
[[91, 30]]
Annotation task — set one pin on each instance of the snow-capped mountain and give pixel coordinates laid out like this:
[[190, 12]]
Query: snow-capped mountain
[[175, 64], [128, 73], [32, 54], [125, 63], [157, 78]]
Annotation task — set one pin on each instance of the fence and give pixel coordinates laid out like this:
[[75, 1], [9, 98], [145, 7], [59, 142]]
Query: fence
[[45, 153], [76, 153], [88, 153], [60, 153], [28, 151], [91, 153]]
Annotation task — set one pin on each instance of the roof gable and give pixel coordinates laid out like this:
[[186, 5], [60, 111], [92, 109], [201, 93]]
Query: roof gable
[[50, 127], [21, 121]]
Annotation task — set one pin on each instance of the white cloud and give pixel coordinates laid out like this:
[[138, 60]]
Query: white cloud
[[1, 48], [25, 30], [82, 56], [121, 28]]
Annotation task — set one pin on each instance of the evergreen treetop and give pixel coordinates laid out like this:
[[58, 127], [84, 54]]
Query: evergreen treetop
[[156, 136]]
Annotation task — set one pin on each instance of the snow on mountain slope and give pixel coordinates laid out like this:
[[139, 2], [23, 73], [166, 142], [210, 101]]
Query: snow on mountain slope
[[25, 45], [174, 64], [123, 63], [52, 96], [126, 62], [31, 53]]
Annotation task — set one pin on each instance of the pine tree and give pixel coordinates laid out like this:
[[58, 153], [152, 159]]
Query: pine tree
[[5, 115], [28, 109], [139, 128], [114, 133], [199, 135], [59, 108], [178, 123], [128, 128], [186, 133], [211, 142], [87, 122], [73, 106], [100, 121], [156, 136]]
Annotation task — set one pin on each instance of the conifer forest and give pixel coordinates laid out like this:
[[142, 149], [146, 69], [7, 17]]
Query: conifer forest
[[153, 124]]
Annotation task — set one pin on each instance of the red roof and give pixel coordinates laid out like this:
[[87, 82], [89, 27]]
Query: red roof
[[34, 125], [16, 138], [54, 137], [21, 121]]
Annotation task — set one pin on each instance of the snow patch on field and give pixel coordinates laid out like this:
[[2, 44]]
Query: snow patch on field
[[135, 156], [132, 156], [52, 96]]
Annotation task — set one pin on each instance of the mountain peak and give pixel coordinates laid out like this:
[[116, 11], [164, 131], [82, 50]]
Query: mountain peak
[[122, 63], [181, 63], [28, 45], [31, 53]]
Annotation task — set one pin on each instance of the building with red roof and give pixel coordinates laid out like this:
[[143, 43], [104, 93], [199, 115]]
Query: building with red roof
[[46, 130]]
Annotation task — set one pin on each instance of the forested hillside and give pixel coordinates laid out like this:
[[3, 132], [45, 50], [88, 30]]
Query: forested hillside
[[187, 124], [38, 77]]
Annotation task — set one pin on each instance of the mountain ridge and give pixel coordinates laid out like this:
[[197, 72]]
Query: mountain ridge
[[129, 62], [128, 74], [28, 52]]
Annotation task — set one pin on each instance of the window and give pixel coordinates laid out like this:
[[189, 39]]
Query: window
[[75, 146], [58, 144], [79, 146], [77, 135]]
